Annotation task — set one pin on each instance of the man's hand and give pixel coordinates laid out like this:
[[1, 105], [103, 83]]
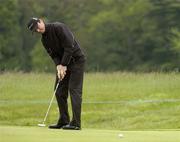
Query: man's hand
[[61, 71]]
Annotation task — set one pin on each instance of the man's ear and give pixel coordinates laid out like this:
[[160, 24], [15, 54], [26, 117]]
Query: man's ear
[[41, 20]]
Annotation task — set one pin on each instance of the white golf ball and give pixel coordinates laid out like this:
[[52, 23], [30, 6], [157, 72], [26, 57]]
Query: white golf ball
[[120, 135]]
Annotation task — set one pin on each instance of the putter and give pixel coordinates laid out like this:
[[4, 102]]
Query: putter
[[43, 123]]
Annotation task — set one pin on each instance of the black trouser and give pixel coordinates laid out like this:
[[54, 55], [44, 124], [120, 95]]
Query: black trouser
[[73, 82]]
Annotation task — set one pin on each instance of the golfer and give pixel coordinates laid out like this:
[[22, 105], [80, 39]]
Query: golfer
[[69, 59]]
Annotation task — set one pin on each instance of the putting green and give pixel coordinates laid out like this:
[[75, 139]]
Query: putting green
[[36, 134]]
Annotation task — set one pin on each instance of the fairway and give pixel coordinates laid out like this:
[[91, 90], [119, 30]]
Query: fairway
[[35, 134], [125, 101]]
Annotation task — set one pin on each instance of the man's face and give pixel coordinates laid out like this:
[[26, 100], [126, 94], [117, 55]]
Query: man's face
[[40, 27]]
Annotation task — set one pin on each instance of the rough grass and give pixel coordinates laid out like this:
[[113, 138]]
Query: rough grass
[[125, 101]]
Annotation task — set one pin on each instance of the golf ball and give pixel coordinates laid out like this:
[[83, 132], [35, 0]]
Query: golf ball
[[120, 135]]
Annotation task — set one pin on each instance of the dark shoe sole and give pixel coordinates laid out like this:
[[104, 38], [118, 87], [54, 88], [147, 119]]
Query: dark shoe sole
[[57, 127], [71, 128]]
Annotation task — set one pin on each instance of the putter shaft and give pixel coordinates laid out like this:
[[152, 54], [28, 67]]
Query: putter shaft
[[50, 103]]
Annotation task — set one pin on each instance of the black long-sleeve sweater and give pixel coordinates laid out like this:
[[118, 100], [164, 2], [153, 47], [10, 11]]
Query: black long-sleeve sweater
[[60, 43]]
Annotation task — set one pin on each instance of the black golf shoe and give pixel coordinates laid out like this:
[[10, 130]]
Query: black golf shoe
[[56, 126], [71, 127]]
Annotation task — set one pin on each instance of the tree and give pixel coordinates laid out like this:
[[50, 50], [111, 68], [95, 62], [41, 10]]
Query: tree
[[10, 30], [27, 10], [121, 33], [40, 59]]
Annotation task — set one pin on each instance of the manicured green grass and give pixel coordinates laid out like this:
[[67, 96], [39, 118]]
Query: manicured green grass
[[123, 101], [35, 134]]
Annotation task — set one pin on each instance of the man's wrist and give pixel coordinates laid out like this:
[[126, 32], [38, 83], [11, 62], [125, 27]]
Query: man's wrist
[[60, 66]]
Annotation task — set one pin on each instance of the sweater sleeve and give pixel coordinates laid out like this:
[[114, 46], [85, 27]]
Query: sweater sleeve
[[67, 40], [53, 56]]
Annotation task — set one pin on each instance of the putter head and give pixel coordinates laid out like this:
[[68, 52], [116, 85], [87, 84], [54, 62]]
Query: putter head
[[42, 125]]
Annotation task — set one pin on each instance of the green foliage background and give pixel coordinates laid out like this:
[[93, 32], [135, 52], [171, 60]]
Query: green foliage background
[[126, 35]]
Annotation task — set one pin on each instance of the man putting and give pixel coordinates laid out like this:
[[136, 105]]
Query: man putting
[[69, 59]]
